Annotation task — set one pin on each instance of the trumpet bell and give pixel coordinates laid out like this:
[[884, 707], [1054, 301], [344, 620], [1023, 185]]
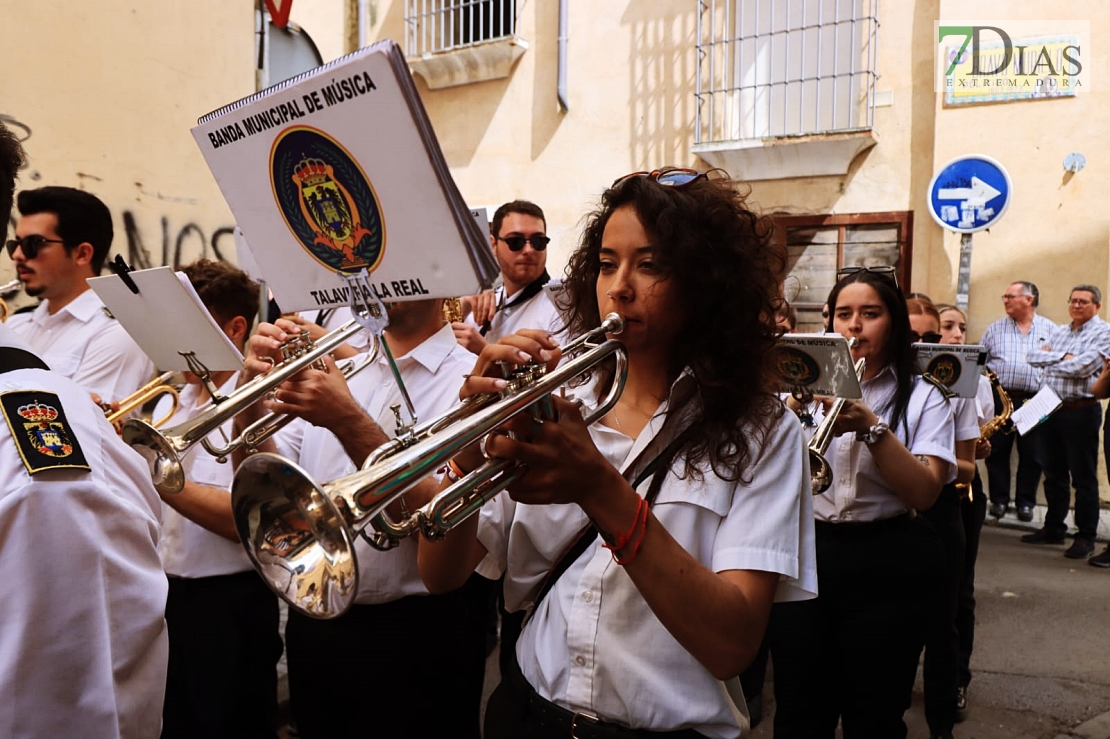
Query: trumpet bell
[[296, 537], [165, 464]]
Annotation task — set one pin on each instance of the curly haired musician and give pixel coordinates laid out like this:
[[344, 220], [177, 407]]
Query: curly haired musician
[[646, 623]]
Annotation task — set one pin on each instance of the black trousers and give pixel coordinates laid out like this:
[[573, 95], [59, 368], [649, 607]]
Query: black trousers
[[851, 653], [973, 512], [1069, 454], [410, 668], [224, 650], [1029, 464], [941, 635]]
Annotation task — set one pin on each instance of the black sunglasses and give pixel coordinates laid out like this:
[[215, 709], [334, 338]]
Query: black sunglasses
[[672, 177], [30, 244], [884, 269], [929, 337], [539, 242]]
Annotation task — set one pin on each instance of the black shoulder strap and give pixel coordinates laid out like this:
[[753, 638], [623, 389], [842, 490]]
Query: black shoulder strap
[[530, 291], [648, 465], [12, 359]]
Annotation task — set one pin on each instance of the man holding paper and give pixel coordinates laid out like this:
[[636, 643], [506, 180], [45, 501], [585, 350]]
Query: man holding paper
[[1068, 444], [1008, 340], [62, 239]]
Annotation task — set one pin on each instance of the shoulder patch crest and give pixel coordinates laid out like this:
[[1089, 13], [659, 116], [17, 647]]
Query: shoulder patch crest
[[41, 432]]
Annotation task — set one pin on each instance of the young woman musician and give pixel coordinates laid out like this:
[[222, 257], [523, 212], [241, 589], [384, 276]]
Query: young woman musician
[[643, 629], [851, 654], [941, 641], [973, 511]]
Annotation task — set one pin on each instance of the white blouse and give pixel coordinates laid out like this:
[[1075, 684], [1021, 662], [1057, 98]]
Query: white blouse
[[594, 644], [859, 491]]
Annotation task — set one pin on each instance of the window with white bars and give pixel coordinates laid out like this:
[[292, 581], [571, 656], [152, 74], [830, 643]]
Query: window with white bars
[[771, 68], [443, 25]]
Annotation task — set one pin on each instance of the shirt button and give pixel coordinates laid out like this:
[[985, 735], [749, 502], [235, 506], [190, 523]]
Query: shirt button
[[580, 661], [588, 597]]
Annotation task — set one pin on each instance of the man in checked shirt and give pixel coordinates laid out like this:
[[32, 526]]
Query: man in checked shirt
[[1068, 443]]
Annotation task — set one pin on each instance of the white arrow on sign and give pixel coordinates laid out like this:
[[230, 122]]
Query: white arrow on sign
[[978, 194]]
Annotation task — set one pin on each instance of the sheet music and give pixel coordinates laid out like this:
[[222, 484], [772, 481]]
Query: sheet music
[[1036, 410]]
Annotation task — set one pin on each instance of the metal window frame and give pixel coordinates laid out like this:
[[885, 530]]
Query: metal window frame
[[434, 26], [901, 219], [720, 44]]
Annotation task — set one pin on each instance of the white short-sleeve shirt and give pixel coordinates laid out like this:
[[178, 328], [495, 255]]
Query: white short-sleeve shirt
[[594, 644], [188, 549], [83, 647], [858, 491], [433, 373], [538, 311], [84, 343]]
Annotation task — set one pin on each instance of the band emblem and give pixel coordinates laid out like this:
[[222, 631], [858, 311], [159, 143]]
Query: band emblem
[[797, 367], [945, 368], [327, 201], [40, 430]]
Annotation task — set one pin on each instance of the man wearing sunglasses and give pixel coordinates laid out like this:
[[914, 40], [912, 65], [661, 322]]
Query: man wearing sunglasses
[[519, 240], [83, 648], [62, 239]]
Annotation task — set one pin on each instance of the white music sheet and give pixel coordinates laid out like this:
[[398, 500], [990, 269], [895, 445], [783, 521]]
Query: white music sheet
[[1036, 410]]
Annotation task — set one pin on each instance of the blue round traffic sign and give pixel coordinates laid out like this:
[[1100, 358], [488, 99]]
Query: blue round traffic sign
[[970, 193]]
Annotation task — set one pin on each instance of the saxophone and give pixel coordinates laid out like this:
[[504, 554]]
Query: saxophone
[[994, 425]]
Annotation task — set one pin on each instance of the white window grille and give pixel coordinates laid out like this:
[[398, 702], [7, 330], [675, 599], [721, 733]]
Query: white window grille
[[443, 25], [771, 68]]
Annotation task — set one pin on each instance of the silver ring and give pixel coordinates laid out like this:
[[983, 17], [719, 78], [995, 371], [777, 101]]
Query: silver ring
[[485, 452]]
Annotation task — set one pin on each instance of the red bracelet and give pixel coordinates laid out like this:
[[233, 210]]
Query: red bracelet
[[623, 540], [454, 472], [635, 549]]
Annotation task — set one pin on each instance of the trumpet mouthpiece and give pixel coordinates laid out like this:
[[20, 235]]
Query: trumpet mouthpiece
[[613, 323]]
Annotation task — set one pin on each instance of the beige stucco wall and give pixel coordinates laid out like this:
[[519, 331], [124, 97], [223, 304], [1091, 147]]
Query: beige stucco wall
[[1055, 233], [108, 92]]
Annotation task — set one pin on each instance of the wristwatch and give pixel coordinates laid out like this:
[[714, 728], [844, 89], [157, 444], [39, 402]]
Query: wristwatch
[[871, 435]]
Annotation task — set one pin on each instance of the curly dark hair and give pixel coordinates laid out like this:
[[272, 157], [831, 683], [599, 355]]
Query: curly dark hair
[[727, 275], [900, 351], [12, 158]]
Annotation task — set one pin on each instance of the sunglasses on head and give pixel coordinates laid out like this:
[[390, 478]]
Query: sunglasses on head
[[929, 337], [30, 244], [884, 270], [539, 242], [668, 177]]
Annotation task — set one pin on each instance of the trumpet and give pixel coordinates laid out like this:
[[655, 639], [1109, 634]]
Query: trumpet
[[300, 535], [157, 387], [7, 289], [453, 310], [820, 474], [165, 449]]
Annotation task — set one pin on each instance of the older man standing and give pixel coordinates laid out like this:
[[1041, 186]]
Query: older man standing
[[1008, 340], [1068, 443]]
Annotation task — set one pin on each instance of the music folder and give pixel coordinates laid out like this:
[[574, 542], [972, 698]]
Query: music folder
[[956, 366], [820, 364], [338, 171], [167, 319]]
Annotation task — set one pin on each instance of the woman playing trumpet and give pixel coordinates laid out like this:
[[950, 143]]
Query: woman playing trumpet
[[646, 627], [851, 654]]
